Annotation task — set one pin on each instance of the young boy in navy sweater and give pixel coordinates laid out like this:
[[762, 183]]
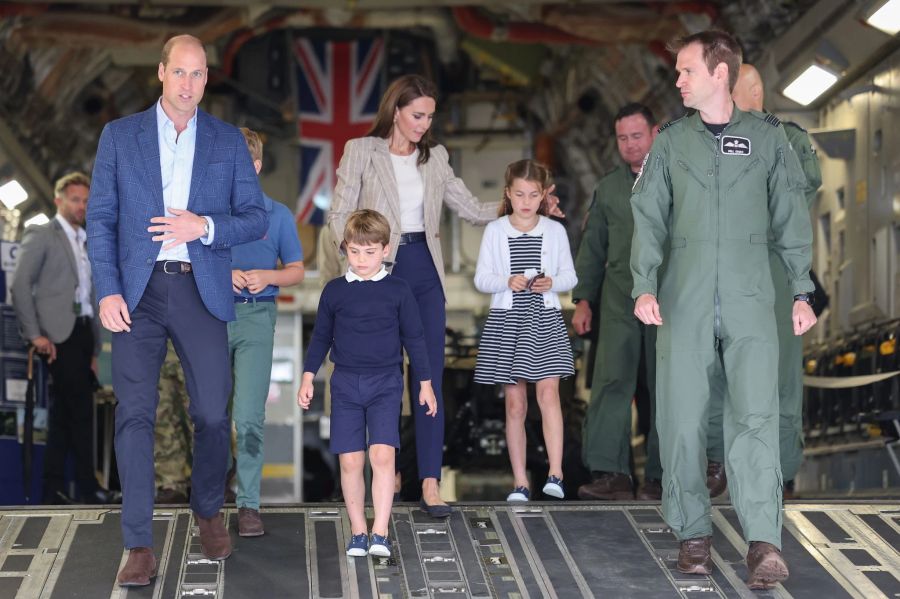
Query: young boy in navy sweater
[[365, 317]]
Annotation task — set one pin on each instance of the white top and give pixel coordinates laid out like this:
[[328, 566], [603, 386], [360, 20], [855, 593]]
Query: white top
[[411, 191], [78, 239], [493, 270], [352, 276]]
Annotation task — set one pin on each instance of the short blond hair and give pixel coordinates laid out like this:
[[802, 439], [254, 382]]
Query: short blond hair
[[254, 143], [367, 227], [74, 178]]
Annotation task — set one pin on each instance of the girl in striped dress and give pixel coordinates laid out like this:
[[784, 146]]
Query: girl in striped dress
[[525, 261]]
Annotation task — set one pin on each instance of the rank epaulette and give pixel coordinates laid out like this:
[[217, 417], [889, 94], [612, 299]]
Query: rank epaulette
[[772, 119], [669, 124]]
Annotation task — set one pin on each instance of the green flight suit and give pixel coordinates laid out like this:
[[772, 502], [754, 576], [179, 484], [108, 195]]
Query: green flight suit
[[603, 271], [790, 346], [711, 205]]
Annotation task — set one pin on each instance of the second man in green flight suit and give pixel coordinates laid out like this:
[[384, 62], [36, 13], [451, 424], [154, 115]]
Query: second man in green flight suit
[[604, 274]]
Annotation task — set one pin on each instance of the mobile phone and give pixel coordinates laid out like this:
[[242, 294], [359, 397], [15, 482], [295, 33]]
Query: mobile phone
[[531, 281]]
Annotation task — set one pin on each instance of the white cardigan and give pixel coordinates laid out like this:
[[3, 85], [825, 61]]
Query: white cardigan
[[493, 270]]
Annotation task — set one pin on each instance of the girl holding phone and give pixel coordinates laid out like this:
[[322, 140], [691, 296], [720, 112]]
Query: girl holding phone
[[525, 261]]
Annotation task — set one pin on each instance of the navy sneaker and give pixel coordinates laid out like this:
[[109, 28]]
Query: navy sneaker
[[519, 494], [380, 546], [554, 487], [358, 545]]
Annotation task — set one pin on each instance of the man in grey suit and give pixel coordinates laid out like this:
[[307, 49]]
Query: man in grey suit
[[54, 301]]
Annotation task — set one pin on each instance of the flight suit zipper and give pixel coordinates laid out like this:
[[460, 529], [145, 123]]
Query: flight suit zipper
[[717, 306]]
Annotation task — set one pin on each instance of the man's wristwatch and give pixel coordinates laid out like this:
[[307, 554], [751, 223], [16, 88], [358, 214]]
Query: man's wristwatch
[[205, 228], [804, 297]]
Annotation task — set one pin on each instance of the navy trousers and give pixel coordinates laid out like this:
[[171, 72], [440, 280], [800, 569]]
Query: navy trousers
[[415, 266], [170, 307]]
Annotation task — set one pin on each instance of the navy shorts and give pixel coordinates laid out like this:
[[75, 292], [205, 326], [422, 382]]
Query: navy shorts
[[361, 402]]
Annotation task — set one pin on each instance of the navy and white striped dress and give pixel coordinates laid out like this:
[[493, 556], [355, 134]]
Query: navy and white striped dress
[[528, 342]]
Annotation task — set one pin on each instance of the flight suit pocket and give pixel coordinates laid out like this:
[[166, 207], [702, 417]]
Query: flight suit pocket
[[691, 202], [758, 238]]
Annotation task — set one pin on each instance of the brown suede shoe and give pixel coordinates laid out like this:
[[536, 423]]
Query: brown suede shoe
[[651, 490], [765, 566], [139, 568], [609, 486], [716, 481], [214, 540], [694, 557], [249, 523]]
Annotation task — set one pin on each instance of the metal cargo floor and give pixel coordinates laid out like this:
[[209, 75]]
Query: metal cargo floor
[[564, 549]]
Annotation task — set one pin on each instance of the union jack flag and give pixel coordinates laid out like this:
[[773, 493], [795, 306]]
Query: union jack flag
[[338, 90]]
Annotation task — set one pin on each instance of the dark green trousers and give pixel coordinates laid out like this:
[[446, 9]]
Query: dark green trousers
[[622, 341]]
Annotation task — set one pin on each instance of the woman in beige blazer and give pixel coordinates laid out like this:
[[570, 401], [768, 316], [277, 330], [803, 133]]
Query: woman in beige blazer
[[398, 171]]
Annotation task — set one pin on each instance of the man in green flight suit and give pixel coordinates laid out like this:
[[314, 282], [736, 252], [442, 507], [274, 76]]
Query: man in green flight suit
[[714, 187], [749, 94], [604, 274]]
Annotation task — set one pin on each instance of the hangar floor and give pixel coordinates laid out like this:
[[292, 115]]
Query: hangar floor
[[575, 549]]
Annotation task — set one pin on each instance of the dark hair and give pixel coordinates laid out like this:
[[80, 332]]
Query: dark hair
[[633, 108], [718, 46], [529, 170], [367, 227], [399, 93]]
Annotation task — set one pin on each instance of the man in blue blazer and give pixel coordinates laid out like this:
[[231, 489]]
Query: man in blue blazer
[[173, 190]]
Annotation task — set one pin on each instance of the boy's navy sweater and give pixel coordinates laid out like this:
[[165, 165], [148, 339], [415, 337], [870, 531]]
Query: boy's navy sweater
[[365, 323]]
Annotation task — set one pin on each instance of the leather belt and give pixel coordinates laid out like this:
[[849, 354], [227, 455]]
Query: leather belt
[[416, 237], [240, 299], [172, 267]]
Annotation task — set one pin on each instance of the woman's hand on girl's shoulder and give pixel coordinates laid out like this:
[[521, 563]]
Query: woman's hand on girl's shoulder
[[553, 203]]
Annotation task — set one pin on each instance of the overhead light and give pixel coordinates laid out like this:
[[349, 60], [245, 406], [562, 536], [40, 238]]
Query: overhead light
[[886, 18], [37, 219], [12, 194], [811, 84]]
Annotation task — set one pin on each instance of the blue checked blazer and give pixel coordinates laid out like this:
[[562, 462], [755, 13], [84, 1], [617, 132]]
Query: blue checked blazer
[[126, 192]]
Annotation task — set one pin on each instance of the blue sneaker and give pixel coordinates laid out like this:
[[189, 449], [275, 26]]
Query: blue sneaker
[[554, 487], [358, 545], [380, 546], [519, 494]]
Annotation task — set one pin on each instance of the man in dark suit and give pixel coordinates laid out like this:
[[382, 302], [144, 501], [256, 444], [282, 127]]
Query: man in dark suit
[[54, 302], [174, 189]]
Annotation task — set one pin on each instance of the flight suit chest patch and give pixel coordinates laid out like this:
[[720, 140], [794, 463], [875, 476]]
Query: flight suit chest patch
[[735, 146]]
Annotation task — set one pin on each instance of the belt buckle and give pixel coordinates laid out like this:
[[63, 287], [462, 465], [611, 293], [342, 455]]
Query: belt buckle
[[166, 267], [245, 300]]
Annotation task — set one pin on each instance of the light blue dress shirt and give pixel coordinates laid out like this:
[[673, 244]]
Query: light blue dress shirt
[[176, 163]]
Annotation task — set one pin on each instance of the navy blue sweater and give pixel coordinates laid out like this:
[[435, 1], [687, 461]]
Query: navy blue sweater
[[365, 324]]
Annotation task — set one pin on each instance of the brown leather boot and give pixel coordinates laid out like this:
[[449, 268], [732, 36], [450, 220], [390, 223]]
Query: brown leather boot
[[716, 481], [249, 523], [651, 490], [694, 557], [214, 540], [765, 566], [139, 568], [609, 486]]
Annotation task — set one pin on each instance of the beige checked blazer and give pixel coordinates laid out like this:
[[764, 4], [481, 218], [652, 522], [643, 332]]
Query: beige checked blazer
[[365, 179]]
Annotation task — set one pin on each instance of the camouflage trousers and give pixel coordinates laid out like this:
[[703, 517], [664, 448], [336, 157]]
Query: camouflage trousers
[[173, 447]]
